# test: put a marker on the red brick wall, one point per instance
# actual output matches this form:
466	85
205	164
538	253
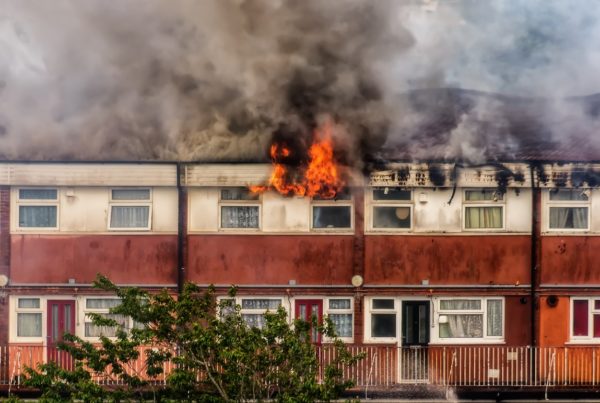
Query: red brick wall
4	257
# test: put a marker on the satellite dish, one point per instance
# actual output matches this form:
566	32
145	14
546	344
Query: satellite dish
3	280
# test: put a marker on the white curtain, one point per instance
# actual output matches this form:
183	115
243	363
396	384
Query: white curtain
254	319
101	303
37	216
343	324
129	216
261	303
92	330
462	326
483	217
568	217
239	217
494	317
29	324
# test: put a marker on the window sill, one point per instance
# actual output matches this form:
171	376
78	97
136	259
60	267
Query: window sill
450	342
582	342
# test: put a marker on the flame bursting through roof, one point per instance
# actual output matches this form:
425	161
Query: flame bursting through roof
319	178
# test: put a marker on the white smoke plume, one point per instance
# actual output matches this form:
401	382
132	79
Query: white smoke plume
214	79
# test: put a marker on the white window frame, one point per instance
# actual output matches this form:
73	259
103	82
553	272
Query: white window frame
485	339
240	203
130	203
589	339
327	311
569	203
483	203
38	203
84	314
332	203
41	310
390	203
369	310
238	301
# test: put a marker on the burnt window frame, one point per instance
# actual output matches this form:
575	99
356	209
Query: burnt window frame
569	204
349	202
239	203
500	202
410	203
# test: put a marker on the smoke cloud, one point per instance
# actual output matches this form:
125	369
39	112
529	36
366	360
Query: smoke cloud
217	80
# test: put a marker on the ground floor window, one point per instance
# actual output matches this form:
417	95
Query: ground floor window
468	319
29	317
585	319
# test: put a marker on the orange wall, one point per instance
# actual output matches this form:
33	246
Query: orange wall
447	259
270	259
570	260
125	259
554	322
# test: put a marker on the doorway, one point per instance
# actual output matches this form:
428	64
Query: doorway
306	309
61	320
414	359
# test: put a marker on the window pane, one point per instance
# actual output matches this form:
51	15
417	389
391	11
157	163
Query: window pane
596	325
460	304
391	194
383	325
239	217
38	194
383	304
569	217
29	302
597	304
391	217
339	303
483	195
238	194
29	324
254	320
261	303
129	216
331	217
483	217
92	330
568	194
37	216
462	326
101	303
343	324
580	318
494	317
131	194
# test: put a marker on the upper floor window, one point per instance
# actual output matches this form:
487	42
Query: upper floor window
130	209
392	209
568	209
483	209
239	208
38	208
469	319
585	319
332	213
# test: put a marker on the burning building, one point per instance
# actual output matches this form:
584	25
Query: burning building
282	147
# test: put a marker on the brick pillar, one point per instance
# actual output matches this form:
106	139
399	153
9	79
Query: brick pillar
5	270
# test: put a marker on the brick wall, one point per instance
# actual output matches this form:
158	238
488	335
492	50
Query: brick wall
4	257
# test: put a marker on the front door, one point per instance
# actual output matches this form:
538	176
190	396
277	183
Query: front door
61	320
306	309
415	339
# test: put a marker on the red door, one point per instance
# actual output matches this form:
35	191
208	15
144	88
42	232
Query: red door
61	320
305	310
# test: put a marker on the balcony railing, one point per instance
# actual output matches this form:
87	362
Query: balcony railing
386	366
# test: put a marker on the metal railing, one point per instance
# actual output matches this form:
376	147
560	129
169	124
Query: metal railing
385	366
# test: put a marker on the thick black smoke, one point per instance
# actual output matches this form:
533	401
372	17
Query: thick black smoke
217	79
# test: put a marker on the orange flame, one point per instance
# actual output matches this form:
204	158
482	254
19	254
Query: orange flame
321	177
